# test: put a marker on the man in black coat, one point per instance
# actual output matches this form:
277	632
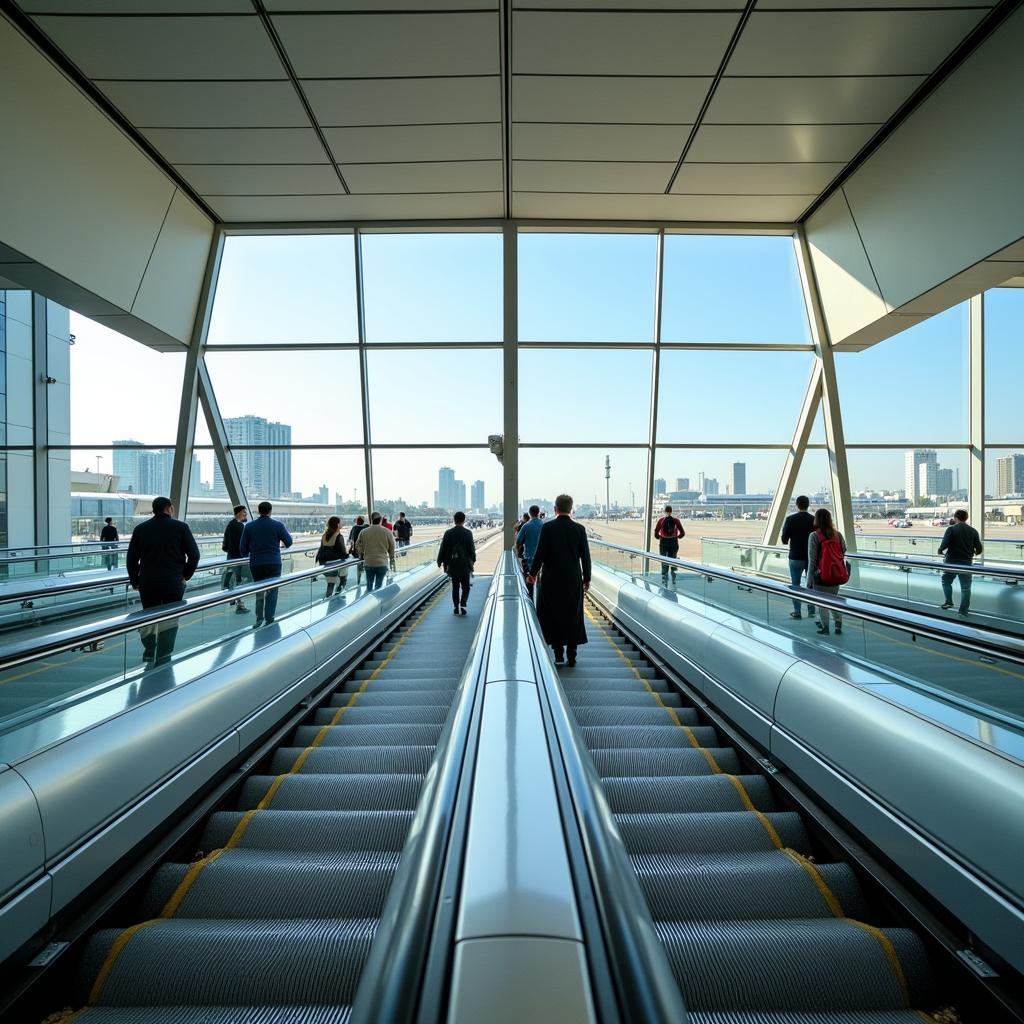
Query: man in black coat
162	557
563	560
457	555
236	574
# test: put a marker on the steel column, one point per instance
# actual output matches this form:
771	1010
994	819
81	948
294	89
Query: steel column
510	380
652	436
219	437
40	422
364	376
976	473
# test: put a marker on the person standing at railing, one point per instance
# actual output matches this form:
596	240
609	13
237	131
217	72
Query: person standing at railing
527	540
109	538
669	531
376	545
261	541
795	531
333	550
827	570
403	531
563	559
231	546
960	543
162	558
457	555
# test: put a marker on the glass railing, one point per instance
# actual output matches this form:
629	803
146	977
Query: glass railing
987	595
997	549
968	679
95	664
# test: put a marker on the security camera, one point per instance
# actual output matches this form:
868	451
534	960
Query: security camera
496	442
44	379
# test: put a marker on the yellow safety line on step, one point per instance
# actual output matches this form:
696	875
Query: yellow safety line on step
889	950
115	951
171	906
831	901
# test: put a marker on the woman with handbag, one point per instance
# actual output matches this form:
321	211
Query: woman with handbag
332	550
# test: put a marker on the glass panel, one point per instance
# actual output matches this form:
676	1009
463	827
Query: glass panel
285	289
1004	504
912	386
725	397
285	398
570	395
732	289
435	396
438	287
586	287
1004	363
120	389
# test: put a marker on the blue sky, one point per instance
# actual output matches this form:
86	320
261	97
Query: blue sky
911	389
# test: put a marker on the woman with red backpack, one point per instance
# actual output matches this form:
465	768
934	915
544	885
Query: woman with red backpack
827	570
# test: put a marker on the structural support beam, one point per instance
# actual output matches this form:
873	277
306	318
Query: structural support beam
40	422
976	473
364	378
652	435
510	380
219	437
795	458
834	438
181	472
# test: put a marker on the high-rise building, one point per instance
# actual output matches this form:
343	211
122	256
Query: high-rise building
477	496
460	496
145	471
739	478
682	483
659	486
944	482
710	485
445	495
700	482
1010	475
266	472
921	468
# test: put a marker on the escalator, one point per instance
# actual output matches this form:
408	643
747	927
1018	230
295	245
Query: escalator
758	926
273	919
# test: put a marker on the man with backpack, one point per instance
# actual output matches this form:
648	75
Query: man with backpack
960	543
669	531
827	570
457	556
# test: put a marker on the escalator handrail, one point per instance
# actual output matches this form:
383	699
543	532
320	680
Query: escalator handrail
390	986
986	641
646	988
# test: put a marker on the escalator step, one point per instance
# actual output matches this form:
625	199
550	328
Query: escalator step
824	964
414	668
358	715
611	670
258	884
650	715
784	1017
618	736
384	684
333	792
352	735
229	963
710	832
742	886
354	760
571	684
660	794
374	698
309	830
626	697
222	1015
671	761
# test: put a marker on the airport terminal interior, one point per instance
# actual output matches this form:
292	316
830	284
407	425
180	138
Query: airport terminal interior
705	318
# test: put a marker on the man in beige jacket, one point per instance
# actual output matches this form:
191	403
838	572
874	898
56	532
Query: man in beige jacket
376	547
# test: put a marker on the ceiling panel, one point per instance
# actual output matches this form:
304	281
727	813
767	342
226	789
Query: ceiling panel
625	43
416	142
166	48
136	6
809	100
645	5
261	179
237	145
860	5
590	177
254	209
598	141
379	5
405	101
453	176
742	209
858	42
390	45
208	104
754	179
827	143
597	100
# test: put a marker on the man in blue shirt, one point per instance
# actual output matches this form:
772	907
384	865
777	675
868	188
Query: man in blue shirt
261	541
527	540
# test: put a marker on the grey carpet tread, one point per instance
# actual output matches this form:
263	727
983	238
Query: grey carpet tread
627	696
710	832
671	761
666	734
309	830
311	792
820	964
219	1015
352	734
374	698
356	714
355	760
231	963
684	794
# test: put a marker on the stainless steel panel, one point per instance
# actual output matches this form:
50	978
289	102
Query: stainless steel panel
21	837
24	916
509	656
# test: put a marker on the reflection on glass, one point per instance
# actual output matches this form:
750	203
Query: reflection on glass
1004	364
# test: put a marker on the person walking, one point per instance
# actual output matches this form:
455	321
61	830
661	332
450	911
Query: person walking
162	558
520	523
376	545
457	556
231	546
353	536
108	539
261	541
562	560
795	531
669	532
403	531
960	543
827	570
526	542
333	550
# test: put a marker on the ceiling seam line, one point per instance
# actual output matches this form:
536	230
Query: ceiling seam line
705	106
505	69
860	238
149	259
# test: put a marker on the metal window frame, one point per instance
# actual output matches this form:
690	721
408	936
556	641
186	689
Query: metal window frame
976	413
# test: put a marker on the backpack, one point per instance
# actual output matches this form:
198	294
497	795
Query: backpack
832	570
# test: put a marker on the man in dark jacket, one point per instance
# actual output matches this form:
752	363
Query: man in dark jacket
162	557
403	531
960	543
261	541
669	532
231	546
353	535
795	531
563	560
457	555
109	539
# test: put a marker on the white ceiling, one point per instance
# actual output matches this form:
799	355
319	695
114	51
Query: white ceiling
395	109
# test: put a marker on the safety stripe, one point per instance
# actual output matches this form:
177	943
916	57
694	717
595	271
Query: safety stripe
748	805
831	901
115	951
171	907
889	950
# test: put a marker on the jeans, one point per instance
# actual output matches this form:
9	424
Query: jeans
158	640
266	600
375	575
965	588
824	613
797	567
460	586
669	547
110	561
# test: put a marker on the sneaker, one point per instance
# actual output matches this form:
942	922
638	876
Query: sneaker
455	611
946	604
559	657
571	663
839	630
257	624
823	630
963	612
240	609
463	609
795	615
